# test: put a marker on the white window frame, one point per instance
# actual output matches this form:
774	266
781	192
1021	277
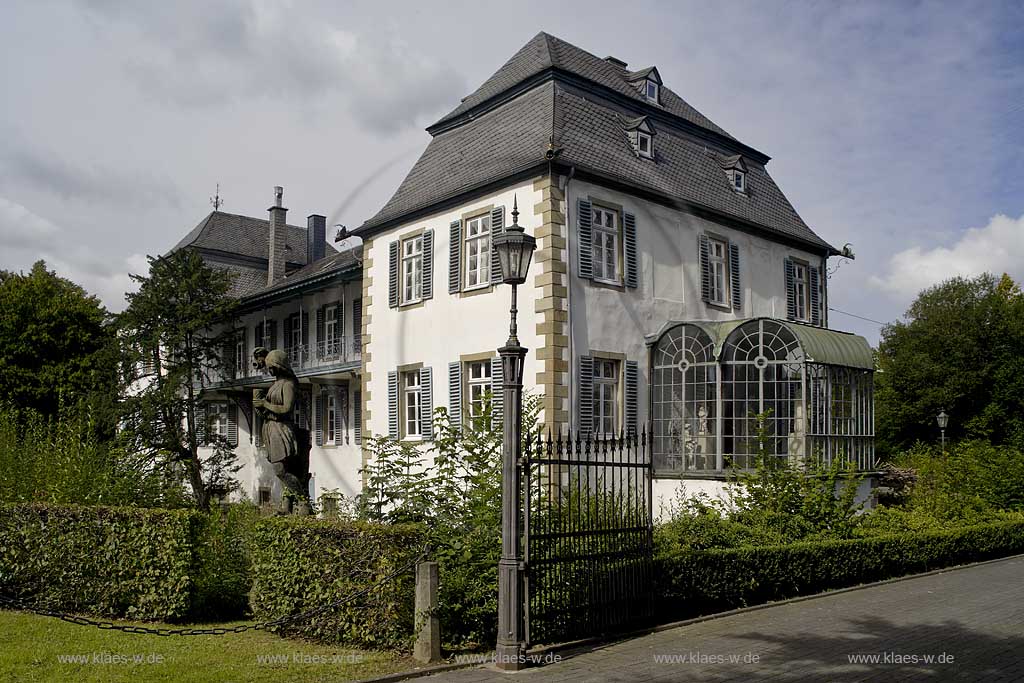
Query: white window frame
241	362
331	335
801	290
718	262
648	84
739	180
330	419
412	405
477	244
217	419
606	241
296	330
641	138
476	386
606	396
412	270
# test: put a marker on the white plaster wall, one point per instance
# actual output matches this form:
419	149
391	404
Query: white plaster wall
447	325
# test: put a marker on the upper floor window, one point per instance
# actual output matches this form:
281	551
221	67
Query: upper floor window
651	91
412	269
717	250
801	290
217	420
644	144
606	244
331	420
331	330
478	251
606	395
739	180
411	407
241	358
295	331
478	381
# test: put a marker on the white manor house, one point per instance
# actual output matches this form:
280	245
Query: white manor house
673	286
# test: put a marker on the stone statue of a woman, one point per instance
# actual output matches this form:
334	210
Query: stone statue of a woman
279	434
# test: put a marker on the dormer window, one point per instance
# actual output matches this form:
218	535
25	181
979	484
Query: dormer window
739	181
644	144
651	91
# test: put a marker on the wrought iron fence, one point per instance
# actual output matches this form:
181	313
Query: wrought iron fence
588	544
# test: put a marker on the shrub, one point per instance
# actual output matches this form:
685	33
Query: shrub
705	581
119	562
222	563
303	563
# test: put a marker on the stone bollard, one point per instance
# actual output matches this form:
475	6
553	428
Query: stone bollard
428	629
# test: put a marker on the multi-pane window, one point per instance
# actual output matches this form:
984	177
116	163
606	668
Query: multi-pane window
800	290
217	416
478	251
412	269
295	324
643	141
478	380
411	407
719	271
240	359
739	181
651	90
331	335
330	421
606	395
606	244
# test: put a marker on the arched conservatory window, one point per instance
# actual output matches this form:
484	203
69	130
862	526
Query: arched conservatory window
762	373
684	385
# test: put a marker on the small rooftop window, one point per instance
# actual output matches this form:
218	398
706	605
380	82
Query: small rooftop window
651	91
644	144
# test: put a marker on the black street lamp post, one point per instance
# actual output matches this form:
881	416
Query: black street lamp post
515	249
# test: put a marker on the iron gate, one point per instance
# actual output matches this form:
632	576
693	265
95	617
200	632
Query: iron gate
587	536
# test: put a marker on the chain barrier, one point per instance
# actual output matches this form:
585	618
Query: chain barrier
260	626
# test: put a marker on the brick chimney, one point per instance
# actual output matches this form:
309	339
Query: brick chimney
278	238
316	237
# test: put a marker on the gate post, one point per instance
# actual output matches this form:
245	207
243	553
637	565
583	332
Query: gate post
428	630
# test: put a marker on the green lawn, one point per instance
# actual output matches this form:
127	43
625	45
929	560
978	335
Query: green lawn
32	648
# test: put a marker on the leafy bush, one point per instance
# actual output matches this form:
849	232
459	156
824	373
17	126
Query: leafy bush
706	581
303	563
222	563
119	562
61	460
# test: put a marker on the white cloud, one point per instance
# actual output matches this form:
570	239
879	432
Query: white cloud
997	248
22	229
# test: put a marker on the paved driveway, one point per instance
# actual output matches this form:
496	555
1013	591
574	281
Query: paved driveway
960	625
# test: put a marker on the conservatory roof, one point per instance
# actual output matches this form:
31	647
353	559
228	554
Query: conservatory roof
820	345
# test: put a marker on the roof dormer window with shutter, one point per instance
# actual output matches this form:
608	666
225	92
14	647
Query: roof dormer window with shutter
736	172
648	82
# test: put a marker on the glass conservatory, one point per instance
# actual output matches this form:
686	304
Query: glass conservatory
719	390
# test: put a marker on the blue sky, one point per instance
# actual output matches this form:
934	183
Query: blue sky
895	126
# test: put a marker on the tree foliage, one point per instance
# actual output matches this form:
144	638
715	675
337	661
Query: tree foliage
961	349
174	334
56	341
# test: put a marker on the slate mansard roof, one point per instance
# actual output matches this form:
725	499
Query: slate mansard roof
553	91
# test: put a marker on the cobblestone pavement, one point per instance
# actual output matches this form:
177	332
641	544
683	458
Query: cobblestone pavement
970	622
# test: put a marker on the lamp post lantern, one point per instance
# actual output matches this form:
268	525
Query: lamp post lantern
515	250
942	419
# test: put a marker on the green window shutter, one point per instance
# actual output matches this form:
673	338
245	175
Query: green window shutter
734	277
340	315
257	334
304	327
815	284
287	332
428	264
629	248
632	376
357	416
585	238
232	423
340	413
202	418
704	249
393	274
455	393
426	403
393	404
321	348
273	336
790	291
318	420
497	227
357	325
455	257
497	393
585	377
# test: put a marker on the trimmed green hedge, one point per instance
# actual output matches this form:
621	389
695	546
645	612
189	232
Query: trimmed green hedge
302	563
131	562
707	581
